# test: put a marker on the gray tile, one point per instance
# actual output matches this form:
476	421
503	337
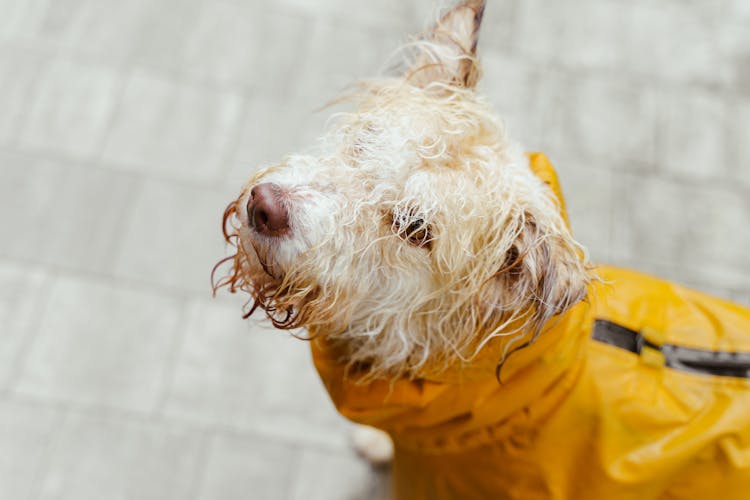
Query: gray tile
103	28
241	375
691	229
363	13
172	237
234	43
59	213
545	28
694	137
70	108
26	433
240	468
282	51
598	120
101	345
123	459
417	15
512	86
172	129
341	476
223	43
740	8
21	20
676	42
219	368
22	296
329	433
163	34
594	35
558	32
274	126
499	26
587	188
734	40
741	144
336	58
18	73
548	106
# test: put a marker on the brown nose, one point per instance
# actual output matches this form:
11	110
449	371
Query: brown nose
266	210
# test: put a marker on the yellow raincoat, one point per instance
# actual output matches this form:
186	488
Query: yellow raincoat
642	392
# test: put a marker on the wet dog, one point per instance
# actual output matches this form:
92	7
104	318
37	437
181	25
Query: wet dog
429	259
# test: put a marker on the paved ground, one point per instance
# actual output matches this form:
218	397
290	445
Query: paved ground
125	128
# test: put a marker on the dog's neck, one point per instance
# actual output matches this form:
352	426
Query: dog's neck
558	346
502	356
531	380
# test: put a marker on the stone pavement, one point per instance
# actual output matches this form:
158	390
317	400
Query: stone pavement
126	127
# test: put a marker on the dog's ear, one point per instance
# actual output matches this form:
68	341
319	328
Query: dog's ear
544	273
447	53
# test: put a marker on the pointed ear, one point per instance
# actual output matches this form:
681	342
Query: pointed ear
447	52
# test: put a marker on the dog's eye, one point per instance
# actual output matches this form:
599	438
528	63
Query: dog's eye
417	233
413	230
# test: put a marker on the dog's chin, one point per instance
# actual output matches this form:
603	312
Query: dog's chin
264	266
285	300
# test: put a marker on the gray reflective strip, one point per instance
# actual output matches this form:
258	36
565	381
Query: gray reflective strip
616	335
720	363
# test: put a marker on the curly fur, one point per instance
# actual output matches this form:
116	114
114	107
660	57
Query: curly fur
418	232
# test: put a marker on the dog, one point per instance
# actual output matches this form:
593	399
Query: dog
430	261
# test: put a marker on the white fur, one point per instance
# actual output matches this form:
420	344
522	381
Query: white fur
372	444
420	156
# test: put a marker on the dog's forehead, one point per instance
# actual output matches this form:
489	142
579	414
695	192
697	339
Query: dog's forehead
401	132
419	162
419	111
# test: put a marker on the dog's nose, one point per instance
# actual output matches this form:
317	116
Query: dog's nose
266	210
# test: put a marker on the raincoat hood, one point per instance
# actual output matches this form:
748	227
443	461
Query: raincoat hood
639	392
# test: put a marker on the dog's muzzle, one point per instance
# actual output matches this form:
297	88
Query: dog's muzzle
266	211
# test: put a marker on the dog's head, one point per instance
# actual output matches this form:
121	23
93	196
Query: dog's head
417	232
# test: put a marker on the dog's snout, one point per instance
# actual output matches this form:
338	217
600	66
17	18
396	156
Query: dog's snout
266	211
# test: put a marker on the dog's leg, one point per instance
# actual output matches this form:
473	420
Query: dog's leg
373	445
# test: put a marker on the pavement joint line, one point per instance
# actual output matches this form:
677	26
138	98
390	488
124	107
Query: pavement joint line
31	334
161	420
